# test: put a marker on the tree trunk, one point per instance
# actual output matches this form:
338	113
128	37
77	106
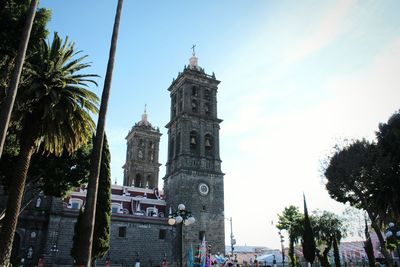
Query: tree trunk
375	226
324	260
320	259
14	200
336	253
368	247
291	253
91	197
382	243
369	250
8	104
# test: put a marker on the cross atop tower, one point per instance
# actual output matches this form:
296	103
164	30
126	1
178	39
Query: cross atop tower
194	52
193	60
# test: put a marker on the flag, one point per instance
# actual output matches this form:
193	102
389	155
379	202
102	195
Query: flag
190	256
203	251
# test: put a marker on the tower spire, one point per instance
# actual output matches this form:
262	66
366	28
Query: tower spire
144	116
193	60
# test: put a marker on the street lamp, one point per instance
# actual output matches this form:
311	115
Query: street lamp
181	217
283	248
233	240
393	237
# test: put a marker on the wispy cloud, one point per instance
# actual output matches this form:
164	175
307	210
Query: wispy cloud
278	155
330	28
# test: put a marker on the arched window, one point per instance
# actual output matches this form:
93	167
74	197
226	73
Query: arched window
207	108
194	142
150	181
171	148
194	105
178	144
208	144
138	180
195	91
180	106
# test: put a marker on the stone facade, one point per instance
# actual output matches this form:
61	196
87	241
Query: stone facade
193	176
146	238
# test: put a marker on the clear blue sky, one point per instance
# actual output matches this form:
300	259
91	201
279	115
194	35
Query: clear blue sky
297	77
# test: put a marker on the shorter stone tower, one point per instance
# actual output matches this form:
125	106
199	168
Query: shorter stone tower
141	167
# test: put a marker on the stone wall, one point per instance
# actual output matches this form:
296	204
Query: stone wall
141	237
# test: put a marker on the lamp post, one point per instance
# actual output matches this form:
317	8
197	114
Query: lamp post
283	248
233	240
181	217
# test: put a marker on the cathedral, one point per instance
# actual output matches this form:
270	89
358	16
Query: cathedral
140	210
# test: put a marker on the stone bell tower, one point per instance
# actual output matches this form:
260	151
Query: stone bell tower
193	175
141	166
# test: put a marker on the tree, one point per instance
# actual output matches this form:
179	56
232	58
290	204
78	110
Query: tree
91	197
356	223
387	195
77	244
352	175
308	243
53	111
11	93
291	220
54	175
101	235
12	19
329	230
12	59
50	174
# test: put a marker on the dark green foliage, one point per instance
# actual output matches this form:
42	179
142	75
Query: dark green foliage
76	240
350	172
101	234
366	175
309	247
388	186
53	175
12	20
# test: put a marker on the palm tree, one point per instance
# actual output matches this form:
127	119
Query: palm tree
53	111
291	220
91	197
329	230
12	90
